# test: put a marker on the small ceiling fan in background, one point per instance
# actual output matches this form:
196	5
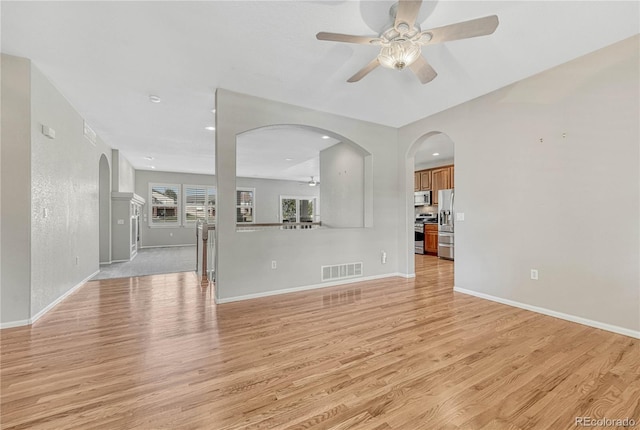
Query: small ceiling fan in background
311	183
401	43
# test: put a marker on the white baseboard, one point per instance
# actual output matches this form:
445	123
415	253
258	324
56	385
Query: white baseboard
406	275
573	318
105	263
167	246
14	324
306	287
50	306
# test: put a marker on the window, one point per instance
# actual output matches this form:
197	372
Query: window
199	204
245	211
297	209
164	205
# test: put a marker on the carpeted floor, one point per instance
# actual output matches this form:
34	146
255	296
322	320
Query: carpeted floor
152	261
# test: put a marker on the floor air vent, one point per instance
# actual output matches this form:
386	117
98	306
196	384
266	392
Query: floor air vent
341	271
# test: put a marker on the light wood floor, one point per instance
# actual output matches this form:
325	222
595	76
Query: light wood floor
156	353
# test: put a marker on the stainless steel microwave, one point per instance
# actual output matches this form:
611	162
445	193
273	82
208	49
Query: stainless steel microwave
422	198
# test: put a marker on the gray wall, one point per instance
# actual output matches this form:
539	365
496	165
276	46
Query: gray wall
126	175
245	266
342	192
65	181
528	204
267	202
166	236
44	257
268	192
15	277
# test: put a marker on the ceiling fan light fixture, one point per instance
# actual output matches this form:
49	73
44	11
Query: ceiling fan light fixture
399	54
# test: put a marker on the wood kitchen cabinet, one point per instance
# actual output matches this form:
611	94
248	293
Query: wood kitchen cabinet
440	180
431	239
425	180
416	181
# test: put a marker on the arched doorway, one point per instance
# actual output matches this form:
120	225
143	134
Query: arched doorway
104	212
431	158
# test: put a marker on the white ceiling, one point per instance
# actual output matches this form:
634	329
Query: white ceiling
440	144
107	57
283	152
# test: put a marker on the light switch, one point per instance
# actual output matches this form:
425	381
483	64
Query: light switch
121	222
459	216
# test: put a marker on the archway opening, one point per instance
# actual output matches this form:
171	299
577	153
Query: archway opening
433	161
286	173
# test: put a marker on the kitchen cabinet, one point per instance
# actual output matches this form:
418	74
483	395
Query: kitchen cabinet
431	239
440	180
425	180
416	181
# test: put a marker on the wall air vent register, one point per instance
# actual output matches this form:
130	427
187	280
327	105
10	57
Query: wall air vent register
341	271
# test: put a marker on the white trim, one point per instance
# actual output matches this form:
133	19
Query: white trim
11	324
407	275
39	315
166	246
178	206
106	263
253	205
573	318
304	288
121	261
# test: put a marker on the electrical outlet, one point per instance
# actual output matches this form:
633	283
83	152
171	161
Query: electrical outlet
171	234
77	261
383	257
274	264
534	274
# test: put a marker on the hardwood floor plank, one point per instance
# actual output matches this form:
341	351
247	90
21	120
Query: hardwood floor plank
155	352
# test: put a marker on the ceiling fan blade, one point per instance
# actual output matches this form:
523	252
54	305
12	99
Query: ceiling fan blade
347	38
423	70
464	30
364	71
407	12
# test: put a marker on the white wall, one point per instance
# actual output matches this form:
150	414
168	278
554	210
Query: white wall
244	268
15	275
528	204
126	175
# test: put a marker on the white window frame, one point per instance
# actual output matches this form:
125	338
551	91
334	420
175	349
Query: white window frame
206	188
253	205
297	199
177	223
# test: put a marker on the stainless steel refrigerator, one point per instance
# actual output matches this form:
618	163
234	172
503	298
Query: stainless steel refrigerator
446	230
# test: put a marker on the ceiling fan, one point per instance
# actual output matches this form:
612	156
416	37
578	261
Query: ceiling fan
401	43
311	183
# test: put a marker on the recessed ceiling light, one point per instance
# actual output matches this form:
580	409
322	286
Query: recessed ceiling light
148	158
288	159
154	99
152	167
435	154
326	137
210	128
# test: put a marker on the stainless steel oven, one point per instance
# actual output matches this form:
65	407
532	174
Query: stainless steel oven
419	234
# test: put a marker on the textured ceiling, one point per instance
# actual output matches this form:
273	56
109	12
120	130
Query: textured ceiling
107	57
